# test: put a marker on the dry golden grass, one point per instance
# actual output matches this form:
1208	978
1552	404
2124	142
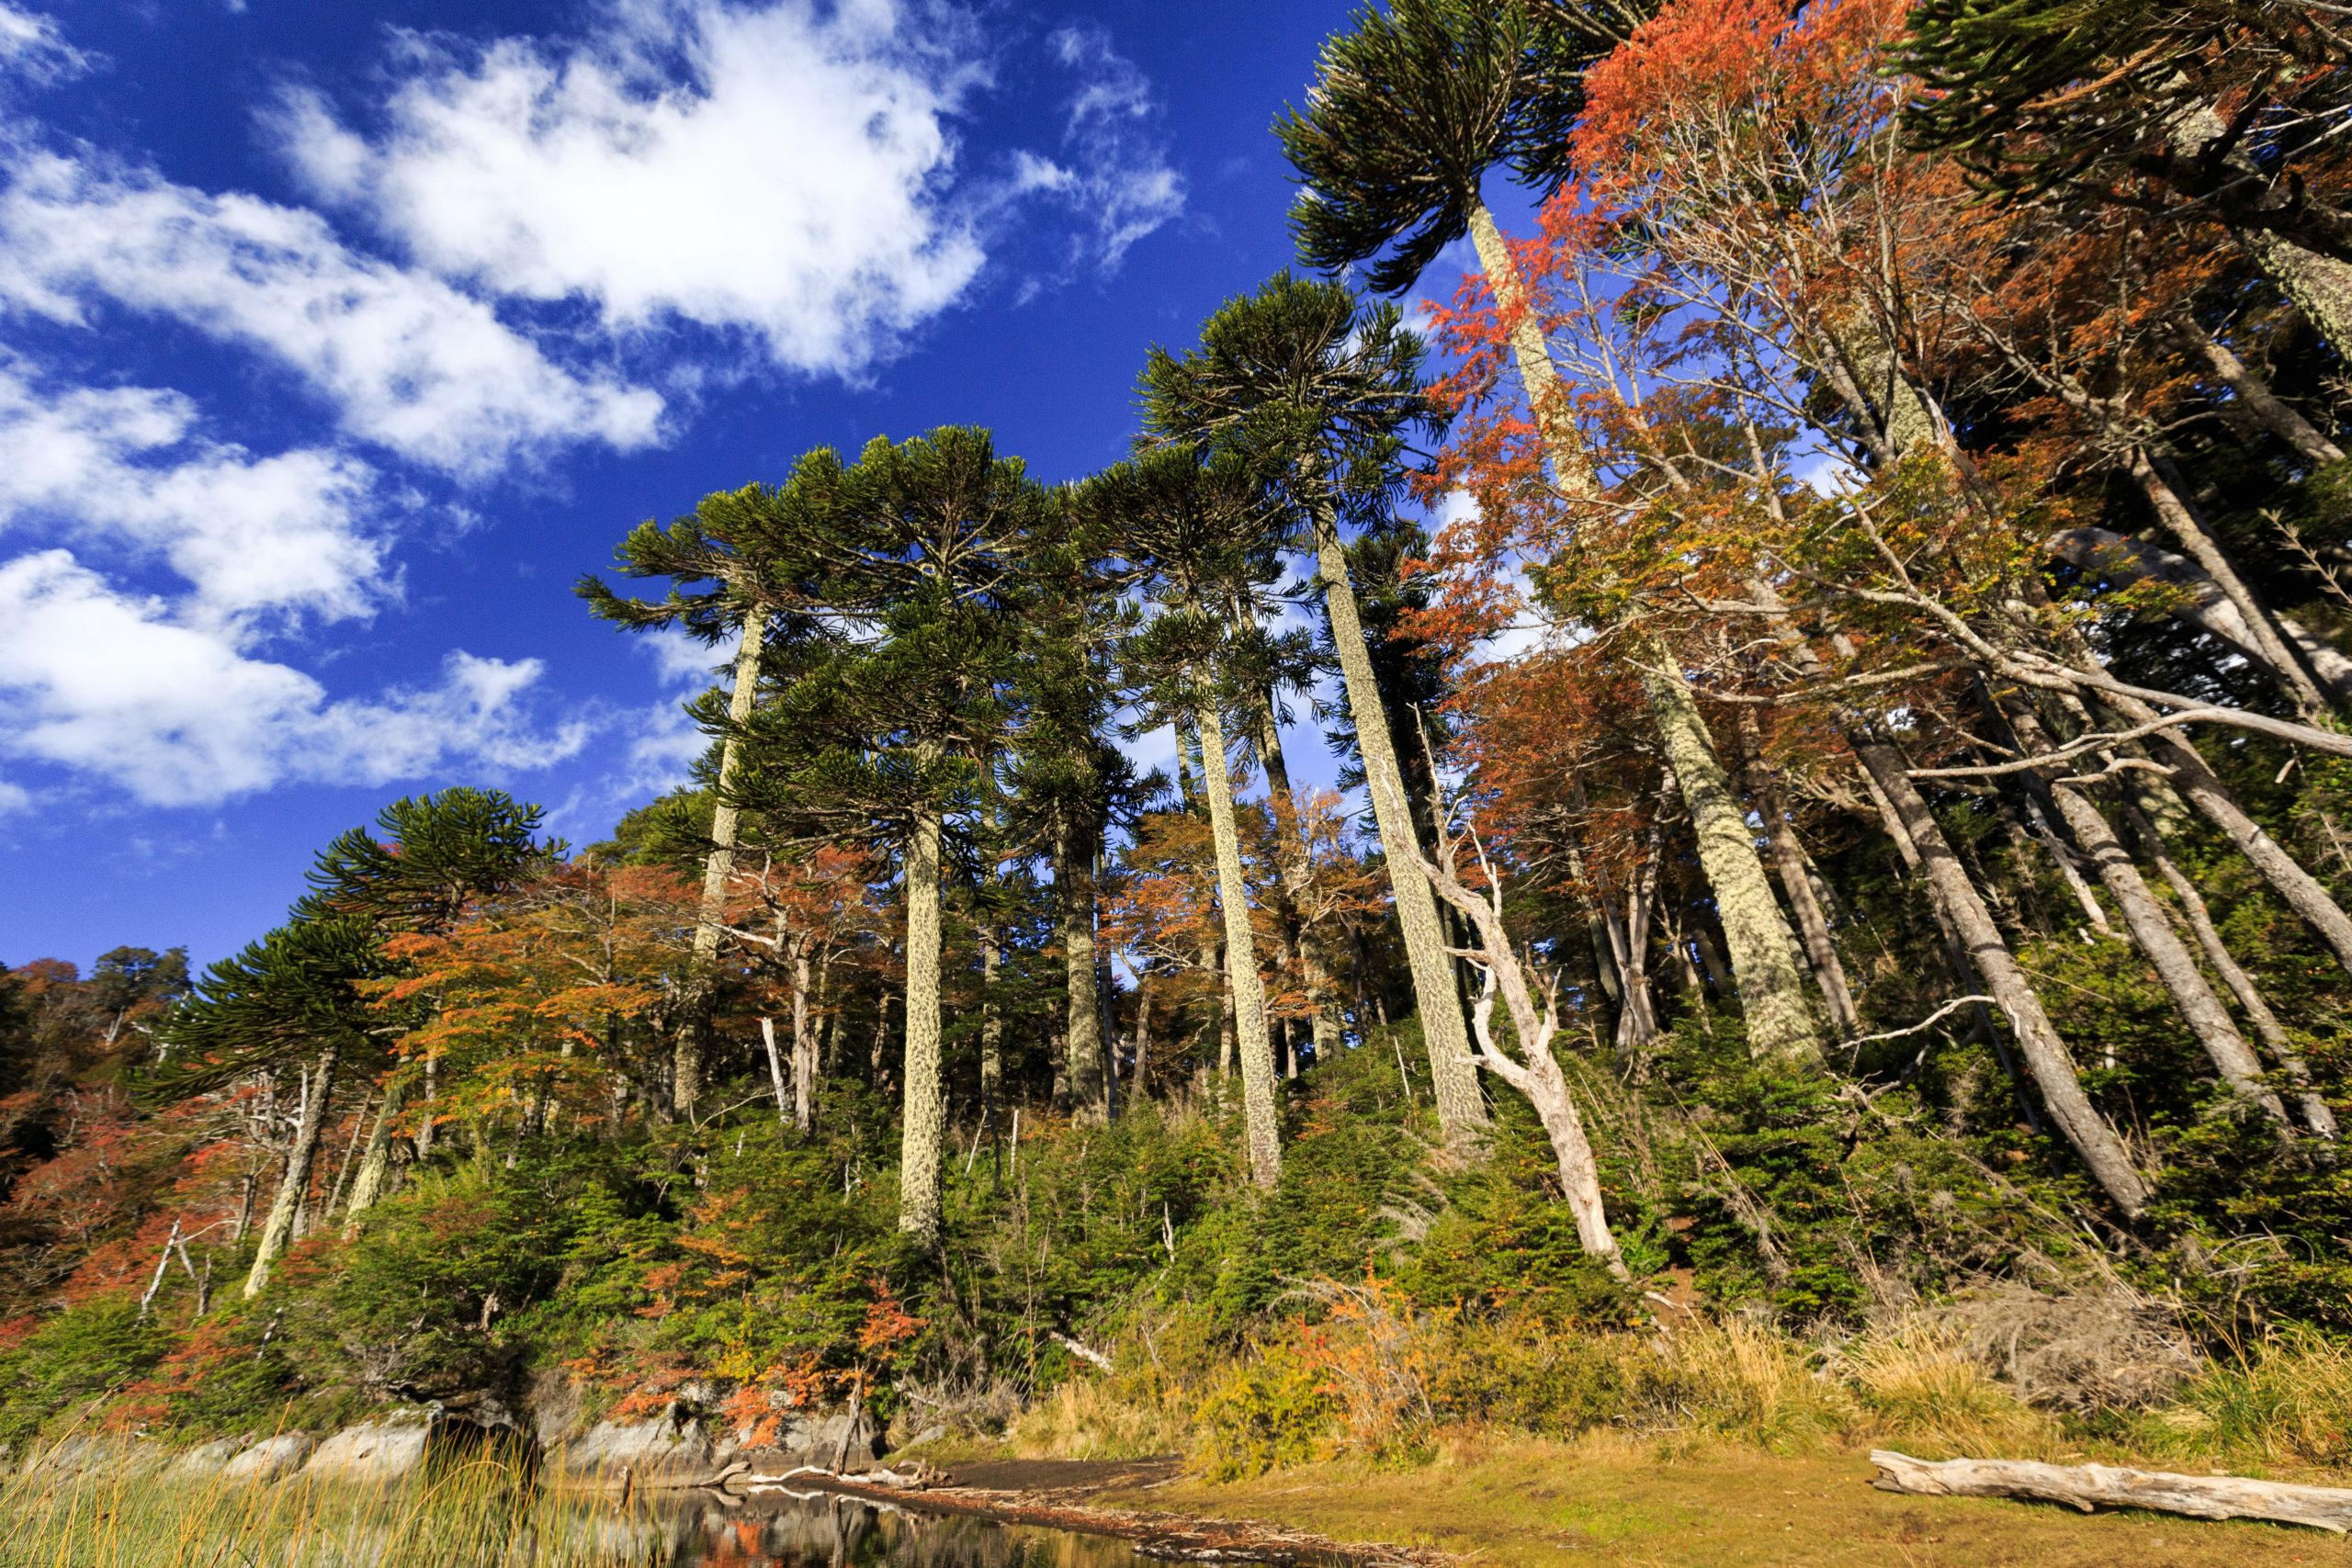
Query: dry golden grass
486	1511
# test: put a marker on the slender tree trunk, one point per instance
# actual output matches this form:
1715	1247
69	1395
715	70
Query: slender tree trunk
1139	1075
375	1161
2253	393
1082	1041
804	1049
279	1229
1261	1126
1763	949
1460	1108
926	1105
2176	966
693	1029
775	1072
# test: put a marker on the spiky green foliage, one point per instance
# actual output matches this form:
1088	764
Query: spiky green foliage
427	858
2094	99
289	996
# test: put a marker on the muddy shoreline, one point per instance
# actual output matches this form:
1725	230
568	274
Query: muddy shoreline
1057	1494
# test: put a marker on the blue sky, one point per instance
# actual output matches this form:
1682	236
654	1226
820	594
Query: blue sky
338	339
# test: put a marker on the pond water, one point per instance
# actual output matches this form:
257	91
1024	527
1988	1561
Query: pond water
780	1531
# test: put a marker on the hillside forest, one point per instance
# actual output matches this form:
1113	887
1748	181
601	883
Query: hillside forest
1837	635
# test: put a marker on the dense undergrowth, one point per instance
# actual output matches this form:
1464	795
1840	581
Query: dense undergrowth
1810	1270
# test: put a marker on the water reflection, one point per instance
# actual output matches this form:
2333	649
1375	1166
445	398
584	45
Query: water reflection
778	1530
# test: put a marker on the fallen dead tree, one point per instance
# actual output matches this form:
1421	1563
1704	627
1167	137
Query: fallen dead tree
2092	1486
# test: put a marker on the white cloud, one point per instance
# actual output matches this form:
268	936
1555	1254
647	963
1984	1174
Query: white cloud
253	535
1115	164
31	47
782	168
104	683
407	361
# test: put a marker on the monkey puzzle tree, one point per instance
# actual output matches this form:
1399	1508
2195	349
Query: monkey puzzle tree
1320	396
1409	111
1197	529
713	561
909	561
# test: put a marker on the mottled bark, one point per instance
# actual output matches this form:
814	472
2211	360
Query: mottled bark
804	1048
2253	393
925	1116
1764	962
1461	1108
279	1229
1261	1126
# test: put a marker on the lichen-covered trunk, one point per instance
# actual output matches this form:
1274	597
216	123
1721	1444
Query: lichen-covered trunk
375	1160
1460	1108
924	1119
1082	1039
1763	949
1260	1126
1764	964
279	1229
1788	861
2047	1060
688	1045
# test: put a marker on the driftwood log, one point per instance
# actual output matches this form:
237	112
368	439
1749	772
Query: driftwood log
2089	1487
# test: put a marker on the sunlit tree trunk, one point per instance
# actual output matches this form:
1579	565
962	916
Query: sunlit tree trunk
925	1113
1460	1108
279	1229
693	1029
1763	949
1290	854
1262	1127
991	1025
375	1160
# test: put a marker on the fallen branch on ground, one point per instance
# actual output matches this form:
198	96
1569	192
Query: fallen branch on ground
2091	1486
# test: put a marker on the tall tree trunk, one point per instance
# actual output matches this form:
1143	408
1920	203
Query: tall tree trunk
279	1229
375	1160
1764	962
1788	860
775	1072
1082	1041
1460	1108
925	1122
1763	949
693	1029
1139	1075
992	1026
1261	1126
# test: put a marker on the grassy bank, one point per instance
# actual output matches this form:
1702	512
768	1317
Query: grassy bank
1507	1501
